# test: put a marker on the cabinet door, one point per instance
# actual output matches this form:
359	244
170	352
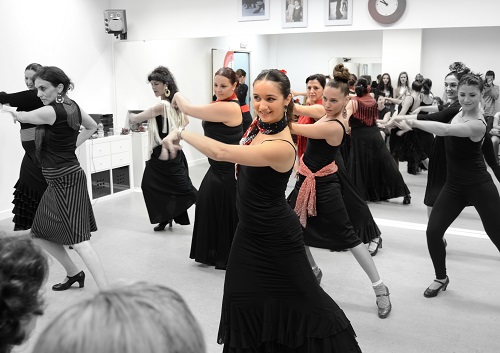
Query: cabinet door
120	146
99	149
120	159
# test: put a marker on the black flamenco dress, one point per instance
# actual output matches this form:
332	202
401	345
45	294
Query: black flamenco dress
166	186
409	147
343	217
31	184
272	301
215	214
371	167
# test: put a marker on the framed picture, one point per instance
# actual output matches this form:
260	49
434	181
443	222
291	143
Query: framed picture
253	10
293	13
338	12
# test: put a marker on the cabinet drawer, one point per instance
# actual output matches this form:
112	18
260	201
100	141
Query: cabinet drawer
98	164
100	149
120	146
120	159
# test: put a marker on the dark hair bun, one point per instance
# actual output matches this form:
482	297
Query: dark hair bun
341	73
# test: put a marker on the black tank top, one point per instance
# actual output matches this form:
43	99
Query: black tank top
465	161
319	153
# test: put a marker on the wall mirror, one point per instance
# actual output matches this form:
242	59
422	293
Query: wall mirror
358	65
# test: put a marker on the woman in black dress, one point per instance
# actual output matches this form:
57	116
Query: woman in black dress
64	215
215	217
166	186
31	184
467	179
371	167
242	92
272	301
318	196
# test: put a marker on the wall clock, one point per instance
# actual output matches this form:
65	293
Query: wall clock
386	11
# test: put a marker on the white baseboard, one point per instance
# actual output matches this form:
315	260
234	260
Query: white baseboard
198	161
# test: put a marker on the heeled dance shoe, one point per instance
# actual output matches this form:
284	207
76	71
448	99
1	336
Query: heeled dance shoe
407	200
162	226
430	293
79	277
379	246
384	303
318	273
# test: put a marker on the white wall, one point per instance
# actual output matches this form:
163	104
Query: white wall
180	34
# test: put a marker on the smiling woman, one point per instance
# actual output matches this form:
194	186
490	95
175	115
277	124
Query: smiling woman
270	289
468	181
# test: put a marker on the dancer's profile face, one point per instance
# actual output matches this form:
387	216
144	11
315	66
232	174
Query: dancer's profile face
314	91
268	101
469	97
334	101
451	87
46	91
223	88
158	88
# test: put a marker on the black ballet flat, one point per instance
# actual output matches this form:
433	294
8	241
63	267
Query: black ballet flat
430	293
407	200
379	246
162	226
79	277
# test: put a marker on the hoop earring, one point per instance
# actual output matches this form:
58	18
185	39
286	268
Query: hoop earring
59	98
167	92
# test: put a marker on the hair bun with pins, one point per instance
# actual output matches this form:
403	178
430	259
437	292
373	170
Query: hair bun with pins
341	73
459	68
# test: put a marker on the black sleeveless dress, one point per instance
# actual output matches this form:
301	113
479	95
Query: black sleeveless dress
31	184
215	214
272	301
166	186
343	218
371	168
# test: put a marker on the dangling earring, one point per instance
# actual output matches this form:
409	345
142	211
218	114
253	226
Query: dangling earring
167	92
59	98
344	114
286	109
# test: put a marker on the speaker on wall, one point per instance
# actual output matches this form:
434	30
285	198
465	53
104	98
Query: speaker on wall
115	22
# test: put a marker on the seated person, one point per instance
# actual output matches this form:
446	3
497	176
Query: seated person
23	272
139	317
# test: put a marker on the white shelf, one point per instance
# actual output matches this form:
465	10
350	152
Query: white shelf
107	162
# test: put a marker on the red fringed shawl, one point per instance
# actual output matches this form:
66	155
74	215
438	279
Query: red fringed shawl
365	109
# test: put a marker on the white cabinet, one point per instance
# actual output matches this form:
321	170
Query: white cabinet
107	162
140	155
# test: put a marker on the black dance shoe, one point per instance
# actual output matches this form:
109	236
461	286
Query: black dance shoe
162	226
430	293
79	277
379	246
407	200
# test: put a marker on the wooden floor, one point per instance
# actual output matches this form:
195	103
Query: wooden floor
464	319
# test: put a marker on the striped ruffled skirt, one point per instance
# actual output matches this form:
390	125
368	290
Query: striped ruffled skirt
64	215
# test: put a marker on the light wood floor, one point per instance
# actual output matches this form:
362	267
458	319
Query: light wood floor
465	318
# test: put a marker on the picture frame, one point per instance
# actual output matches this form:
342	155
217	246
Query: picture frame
338	12
294	13
253	10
